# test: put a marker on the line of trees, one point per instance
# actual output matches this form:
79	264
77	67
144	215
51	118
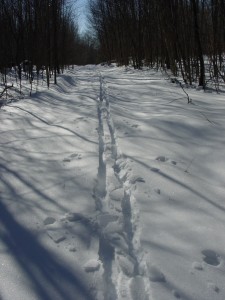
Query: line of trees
40	33
181	35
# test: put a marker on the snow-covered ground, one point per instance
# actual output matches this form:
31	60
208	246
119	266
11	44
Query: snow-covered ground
112	187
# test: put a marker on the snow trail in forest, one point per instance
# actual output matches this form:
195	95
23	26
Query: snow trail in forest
118	218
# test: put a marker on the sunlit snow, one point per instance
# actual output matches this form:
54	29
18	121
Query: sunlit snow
113	187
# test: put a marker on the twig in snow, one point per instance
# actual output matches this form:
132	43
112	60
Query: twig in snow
175	80
186	171
5	89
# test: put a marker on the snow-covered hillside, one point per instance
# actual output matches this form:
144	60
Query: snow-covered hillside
113	187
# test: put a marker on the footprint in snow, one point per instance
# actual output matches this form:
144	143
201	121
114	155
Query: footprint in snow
133	179
49	221
56	236
117	194
113	227
76	155
162	158
165	159
158	191
155	169
76	217
79	118
211	257
105	219
155	275
72	249
55	233
123	288
92	265
176	294
66	160
197	266
127	265
213	287
137	288
135	126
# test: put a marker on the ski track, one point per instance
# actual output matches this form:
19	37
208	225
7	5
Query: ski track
124	270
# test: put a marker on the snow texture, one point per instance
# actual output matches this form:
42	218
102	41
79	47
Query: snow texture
112	188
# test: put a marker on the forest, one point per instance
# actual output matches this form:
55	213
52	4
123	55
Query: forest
180	35
186	37
112	161
41	34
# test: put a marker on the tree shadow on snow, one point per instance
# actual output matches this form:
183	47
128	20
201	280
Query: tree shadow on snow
180	183
49	277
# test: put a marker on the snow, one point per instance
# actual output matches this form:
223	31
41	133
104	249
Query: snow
92	265
112	187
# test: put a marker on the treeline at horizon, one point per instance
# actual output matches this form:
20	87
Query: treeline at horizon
44	34
184	36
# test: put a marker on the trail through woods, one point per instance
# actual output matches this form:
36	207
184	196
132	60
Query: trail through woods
112	187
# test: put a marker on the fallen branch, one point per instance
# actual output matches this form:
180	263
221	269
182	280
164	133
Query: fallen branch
178	82
5	89
175	80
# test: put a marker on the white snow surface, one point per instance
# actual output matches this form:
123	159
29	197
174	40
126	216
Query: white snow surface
113	187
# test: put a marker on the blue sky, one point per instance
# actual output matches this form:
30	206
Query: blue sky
81	5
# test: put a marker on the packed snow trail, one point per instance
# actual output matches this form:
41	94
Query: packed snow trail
119	245
49	161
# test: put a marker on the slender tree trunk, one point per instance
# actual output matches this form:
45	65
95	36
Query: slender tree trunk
195	6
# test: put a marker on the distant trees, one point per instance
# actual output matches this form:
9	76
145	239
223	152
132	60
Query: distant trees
181	35
41	34
185	36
